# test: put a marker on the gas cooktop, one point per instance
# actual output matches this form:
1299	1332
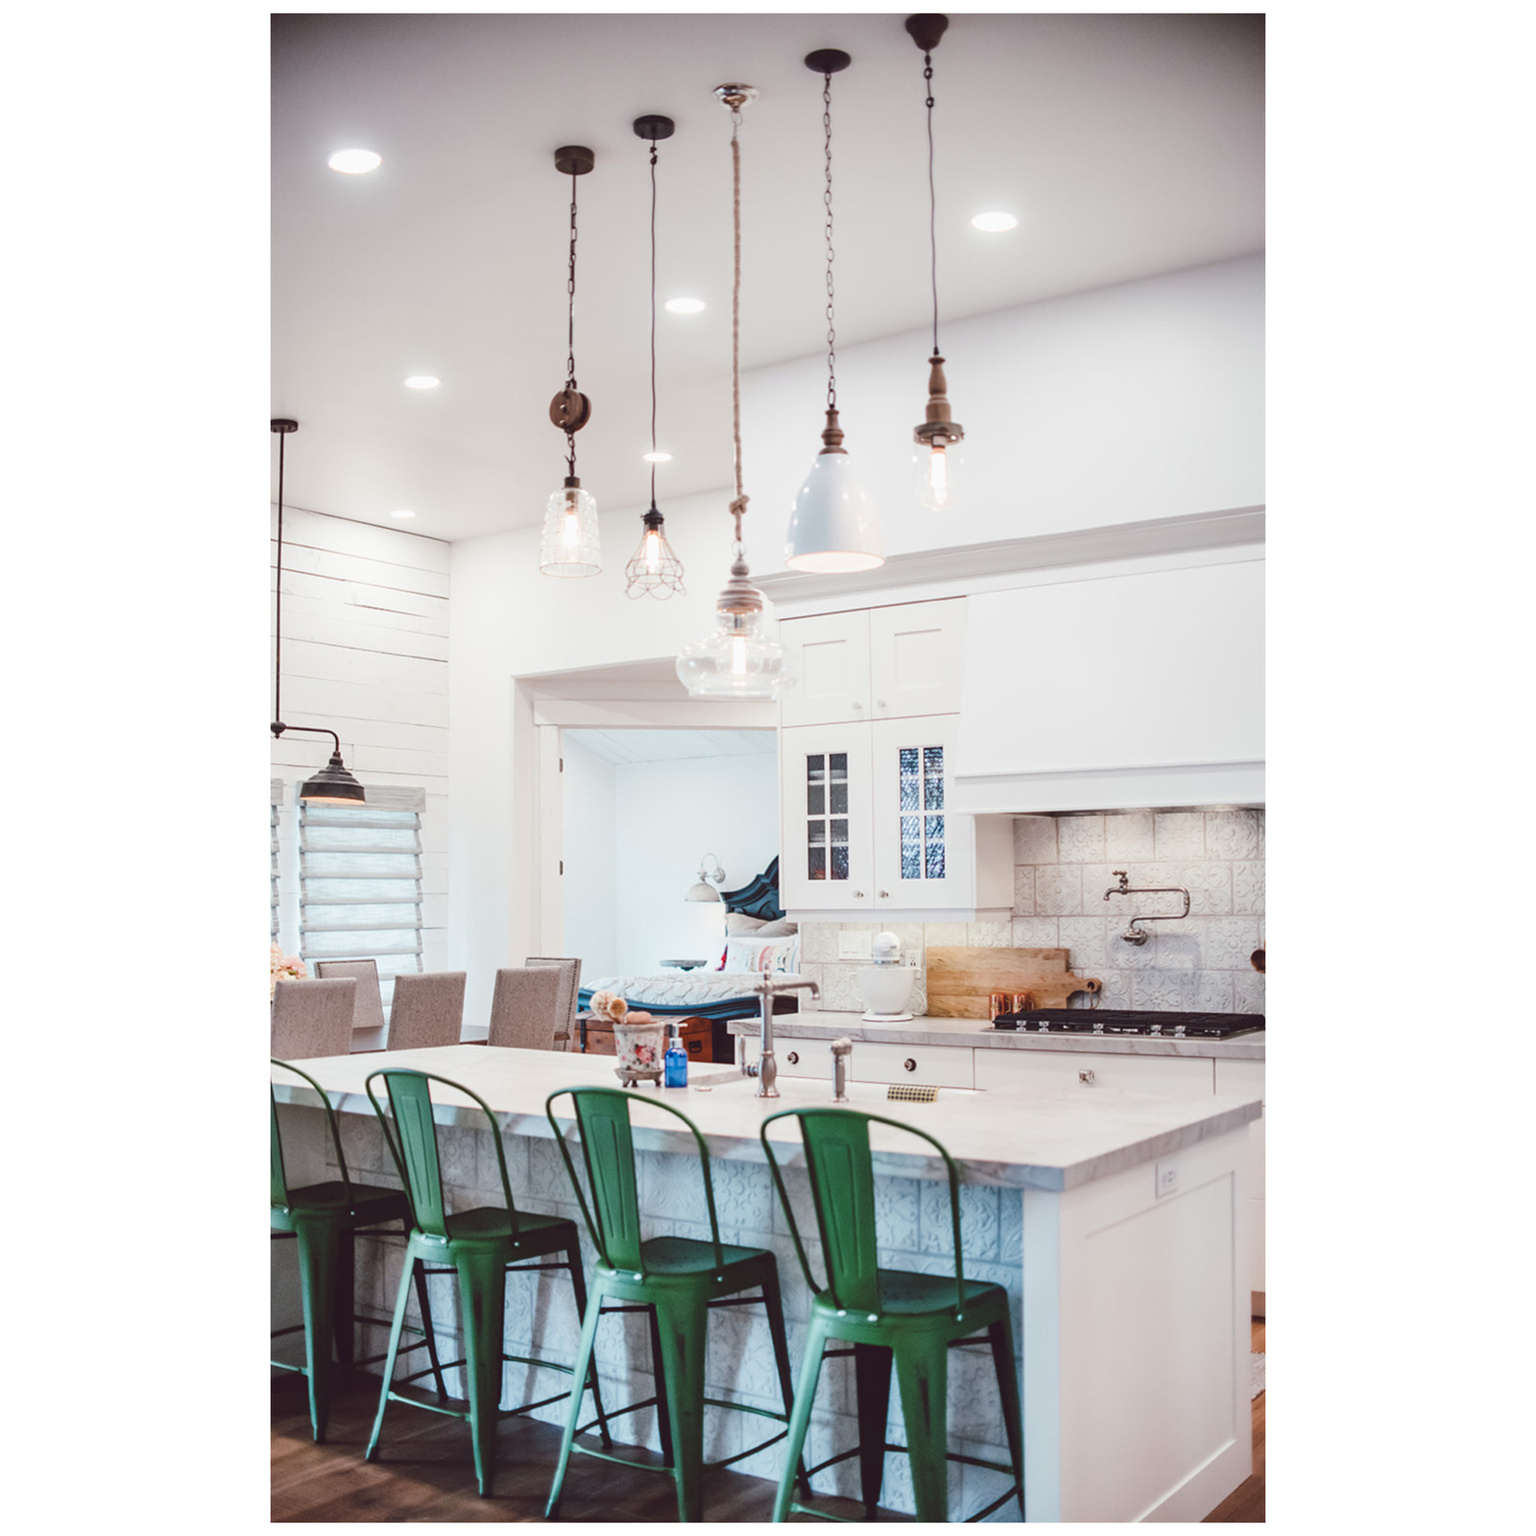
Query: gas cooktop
1128	1021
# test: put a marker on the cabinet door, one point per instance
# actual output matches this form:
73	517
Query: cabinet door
923	856
916	651
825	777
829	656
997	1067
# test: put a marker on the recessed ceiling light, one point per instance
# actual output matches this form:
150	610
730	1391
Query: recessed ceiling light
422	381
354	162
656	458
403	512
995	223
684	306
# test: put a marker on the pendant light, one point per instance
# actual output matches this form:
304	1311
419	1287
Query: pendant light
332	785
569	546
936	460
833	527
654	569
742	658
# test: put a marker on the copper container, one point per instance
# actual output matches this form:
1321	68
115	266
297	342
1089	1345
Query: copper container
1001	1002
1020	1002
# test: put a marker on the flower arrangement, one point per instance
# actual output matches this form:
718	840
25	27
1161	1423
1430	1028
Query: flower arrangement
610	1006
285	968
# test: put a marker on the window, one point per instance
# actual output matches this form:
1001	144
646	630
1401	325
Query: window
277	800
360	873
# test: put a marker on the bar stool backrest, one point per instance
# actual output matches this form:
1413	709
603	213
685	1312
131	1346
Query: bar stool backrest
428	1010
312	1018
279	1174
841	1168
410	1132
608	1151
368	1005
525	1008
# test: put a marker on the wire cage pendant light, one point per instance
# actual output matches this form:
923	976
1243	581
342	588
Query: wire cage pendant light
653	570
568	545
833	526
936	458
332	785
741	658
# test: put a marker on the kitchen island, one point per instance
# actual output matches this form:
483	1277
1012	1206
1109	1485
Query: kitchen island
1115	1222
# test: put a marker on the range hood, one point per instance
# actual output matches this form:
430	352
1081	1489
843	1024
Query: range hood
1115	692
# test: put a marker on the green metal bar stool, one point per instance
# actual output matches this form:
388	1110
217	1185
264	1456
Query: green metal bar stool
480	1246
324	1219
889	1316
676	1279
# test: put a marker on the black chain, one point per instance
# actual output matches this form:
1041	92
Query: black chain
826	123
653	322
570	334
933	238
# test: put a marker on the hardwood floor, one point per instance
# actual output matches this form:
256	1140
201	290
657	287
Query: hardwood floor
425	1473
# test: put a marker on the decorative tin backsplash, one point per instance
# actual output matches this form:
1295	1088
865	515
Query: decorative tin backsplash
1062	867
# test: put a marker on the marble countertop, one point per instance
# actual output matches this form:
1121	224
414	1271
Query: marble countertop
810	1025
1034	1138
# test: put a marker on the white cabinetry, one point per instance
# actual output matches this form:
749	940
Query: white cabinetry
874	663
1248	1076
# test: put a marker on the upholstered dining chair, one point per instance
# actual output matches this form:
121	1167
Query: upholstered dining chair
313	1018
565	1031
428	1009
525	1008
368	1011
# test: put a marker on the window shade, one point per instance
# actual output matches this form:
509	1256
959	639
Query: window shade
277	800
360	868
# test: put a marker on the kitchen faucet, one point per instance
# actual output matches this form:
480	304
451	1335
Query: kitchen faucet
766	1069
1133	934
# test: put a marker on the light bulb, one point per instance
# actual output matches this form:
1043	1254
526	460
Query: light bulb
652	552
740	660
738	657
937	468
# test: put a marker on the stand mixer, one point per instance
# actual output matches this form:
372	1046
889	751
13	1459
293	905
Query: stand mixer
886	986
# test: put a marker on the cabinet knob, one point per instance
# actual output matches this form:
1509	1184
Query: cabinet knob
857	705
1086	1075
858	895
793	1058
886	895
910	1065
879	703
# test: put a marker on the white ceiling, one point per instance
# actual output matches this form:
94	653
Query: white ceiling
670	746
1127	145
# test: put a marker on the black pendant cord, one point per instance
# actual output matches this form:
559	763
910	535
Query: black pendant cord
933	238
570	333
826	123
653	325
277	700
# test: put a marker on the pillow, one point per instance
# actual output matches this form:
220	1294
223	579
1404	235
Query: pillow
750	955
738	924
780	927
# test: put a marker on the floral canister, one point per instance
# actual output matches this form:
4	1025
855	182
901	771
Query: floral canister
639	1044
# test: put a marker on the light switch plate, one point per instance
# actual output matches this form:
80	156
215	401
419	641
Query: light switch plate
1167	1177
858	945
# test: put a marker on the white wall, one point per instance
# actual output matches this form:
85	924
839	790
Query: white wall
365	654
668	816
590	887
1128	403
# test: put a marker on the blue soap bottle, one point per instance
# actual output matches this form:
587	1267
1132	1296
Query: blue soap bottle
676	1062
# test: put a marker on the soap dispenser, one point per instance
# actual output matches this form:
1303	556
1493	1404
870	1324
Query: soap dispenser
676	1061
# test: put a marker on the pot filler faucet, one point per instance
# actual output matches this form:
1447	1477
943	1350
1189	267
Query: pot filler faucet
765	1069
1133	934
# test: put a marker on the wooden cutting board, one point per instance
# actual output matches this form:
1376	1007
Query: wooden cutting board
961	980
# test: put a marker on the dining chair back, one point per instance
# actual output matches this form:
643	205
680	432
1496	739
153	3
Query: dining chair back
313	1018
368	1012
428	1010
525	1008
570	969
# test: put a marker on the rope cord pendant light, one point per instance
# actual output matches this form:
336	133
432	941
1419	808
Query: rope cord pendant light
936	459
833	526
653	569
332	785
741	659
569	545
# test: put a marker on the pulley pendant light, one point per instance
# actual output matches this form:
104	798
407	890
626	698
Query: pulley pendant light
833	526
653	569
741	658
332	785
569	546
936	459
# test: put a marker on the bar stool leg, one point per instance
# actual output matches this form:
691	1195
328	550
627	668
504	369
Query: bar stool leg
419	1273
683	1322
573	1414
579	1384
482	1305
800	1417
775	1307
872	1377
402	1300
317	1243
922	1373
1001	1335
342	1306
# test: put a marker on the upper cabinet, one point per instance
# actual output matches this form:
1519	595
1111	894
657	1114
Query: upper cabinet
874	663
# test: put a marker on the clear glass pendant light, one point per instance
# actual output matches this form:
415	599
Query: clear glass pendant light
741	658
833	526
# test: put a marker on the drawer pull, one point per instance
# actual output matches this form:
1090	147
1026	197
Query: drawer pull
1085	1075
910	1065
794	1058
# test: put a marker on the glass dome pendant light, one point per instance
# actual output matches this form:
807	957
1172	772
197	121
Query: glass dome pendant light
653	569
569	544
741	658
936	459
833	527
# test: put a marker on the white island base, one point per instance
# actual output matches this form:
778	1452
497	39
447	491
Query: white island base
1130	1306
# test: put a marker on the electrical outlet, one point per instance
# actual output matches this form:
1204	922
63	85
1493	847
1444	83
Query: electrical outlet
858	945
1167	1177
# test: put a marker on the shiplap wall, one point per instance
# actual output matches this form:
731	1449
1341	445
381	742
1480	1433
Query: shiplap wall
365	654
